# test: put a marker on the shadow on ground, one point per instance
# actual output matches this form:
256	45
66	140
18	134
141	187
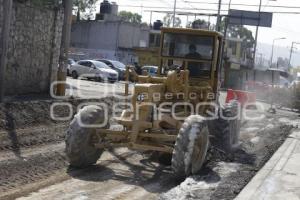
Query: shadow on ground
141	172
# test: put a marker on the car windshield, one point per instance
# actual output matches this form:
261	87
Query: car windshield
101	65
188	46
118	64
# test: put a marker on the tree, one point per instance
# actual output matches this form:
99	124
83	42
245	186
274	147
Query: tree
295	70
168	20
82	6
198	24
130	17
282	63
238	31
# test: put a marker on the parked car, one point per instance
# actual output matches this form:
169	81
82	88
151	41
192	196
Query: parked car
149	70
70	63
117	66
92	69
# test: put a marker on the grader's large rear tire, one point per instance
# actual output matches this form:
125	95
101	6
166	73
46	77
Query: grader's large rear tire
191	147
225	131
79	148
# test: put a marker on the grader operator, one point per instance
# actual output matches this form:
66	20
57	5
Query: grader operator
176	112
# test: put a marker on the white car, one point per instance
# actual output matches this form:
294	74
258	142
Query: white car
70	63
92	69
115	65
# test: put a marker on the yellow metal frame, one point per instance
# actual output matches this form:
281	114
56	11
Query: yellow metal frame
144	134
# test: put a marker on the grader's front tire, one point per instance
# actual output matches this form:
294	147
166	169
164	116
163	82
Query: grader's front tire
79	148
225	132
191	147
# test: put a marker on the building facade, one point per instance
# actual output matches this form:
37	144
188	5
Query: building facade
110	39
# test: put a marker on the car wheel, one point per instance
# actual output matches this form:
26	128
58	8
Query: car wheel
98	79
74	75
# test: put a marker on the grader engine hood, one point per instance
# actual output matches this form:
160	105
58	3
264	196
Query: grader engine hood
145	96
152	93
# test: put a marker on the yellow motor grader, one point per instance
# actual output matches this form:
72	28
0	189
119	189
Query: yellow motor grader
175	113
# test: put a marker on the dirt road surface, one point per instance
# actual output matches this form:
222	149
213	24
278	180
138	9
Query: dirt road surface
124	174
33	164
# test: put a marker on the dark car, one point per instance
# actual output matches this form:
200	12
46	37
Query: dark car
115	65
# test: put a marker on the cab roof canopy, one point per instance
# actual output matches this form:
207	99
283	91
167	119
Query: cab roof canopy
191	31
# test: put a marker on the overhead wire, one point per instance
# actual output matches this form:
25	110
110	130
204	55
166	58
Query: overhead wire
202	9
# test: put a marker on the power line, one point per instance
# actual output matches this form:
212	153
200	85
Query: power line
162	7
184	13
246	5
234	4
200	9
188	4
166	2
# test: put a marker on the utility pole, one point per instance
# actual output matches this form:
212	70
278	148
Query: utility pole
291	53
174	13
272	51
187	20
7	7
219	16
224	39
142	7
151	18
64	49
256	34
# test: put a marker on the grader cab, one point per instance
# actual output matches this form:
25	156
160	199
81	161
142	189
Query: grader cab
175	113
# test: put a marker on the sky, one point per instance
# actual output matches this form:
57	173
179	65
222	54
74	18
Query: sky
284	25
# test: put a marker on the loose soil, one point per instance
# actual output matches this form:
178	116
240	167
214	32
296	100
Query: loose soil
32	157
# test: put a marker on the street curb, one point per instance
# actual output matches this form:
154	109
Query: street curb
266	183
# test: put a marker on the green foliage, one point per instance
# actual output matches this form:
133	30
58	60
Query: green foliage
238	31
83	5
199	23
87	7
44	3
130	17
168	21
295	70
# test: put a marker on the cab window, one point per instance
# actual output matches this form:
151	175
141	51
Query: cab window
194	52
188	46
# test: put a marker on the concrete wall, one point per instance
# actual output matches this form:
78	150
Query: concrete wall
82	53
94	35
107	35
1	20
127	56
108	39
34	44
